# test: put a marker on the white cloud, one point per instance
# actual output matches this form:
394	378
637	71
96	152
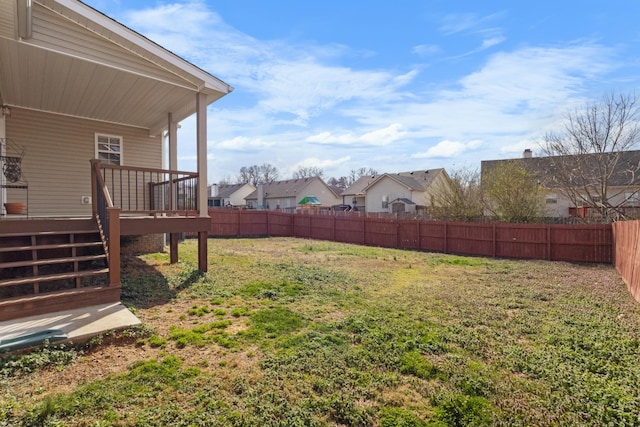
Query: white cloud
446	149
469	23
376	138
242	143
322	164
487	43
426	49
512	94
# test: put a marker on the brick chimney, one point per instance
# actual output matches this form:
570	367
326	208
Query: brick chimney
527	154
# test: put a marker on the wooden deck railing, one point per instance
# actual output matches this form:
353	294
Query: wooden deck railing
149	191
119	191
108	218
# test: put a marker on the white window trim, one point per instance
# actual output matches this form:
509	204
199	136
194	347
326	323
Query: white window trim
551	198
96	135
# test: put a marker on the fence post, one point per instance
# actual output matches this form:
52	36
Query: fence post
333	228
495	240
548	242
446	238
364	229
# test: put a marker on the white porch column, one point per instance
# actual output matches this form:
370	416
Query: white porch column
201	136
172	133
173	143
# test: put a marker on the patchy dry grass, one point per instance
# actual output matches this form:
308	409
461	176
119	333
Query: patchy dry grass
285	332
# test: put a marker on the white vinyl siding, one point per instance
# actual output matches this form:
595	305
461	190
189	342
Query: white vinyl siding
58	154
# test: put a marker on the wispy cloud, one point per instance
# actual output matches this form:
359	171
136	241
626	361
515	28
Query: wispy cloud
426	50
447	149
242	143
469	23
322	164
377	138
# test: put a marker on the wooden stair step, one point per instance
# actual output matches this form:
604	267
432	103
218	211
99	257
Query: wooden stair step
50	246
50	302
47	261
49	233
48	295
50	277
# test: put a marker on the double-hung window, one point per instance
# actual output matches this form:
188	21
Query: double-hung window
109	149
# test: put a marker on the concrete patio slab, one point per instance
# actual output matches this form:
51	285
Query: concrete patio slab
77	325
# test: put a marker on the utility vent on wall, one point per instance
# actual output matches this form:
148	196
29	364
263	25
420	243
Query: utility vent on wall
86	200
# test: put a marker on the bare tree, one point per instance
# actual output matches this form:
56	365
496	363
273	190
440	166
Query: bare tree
459	198
226	180
591	162
355	174
268	173
308	172
254	175
340	184
512	193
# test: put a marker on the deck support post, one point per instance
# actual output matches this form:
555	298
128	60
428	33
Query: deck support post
173	248
202	250
114	246
202	197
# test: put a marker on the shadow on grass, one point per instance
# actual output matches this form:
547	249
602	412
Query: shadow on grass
143	286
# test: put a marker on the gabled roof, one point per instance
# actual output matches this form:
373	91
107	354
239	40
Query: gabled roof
415	181
286	188
357	188
82	63
549	169
226	190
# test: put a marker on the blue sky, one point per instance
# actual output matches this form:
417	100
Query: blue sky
395	86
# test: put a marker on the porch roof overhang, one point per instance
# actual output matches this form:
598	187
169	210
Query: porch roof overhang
67	58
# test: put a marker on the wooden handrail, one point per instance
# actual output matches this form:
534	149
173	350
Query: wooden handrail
99	180
144	169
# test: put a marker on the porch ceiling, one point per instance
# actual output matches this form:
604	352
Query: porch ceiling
79	62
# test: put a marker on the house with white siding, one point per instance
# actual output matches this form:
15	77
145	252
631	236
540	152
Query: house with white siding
395	192
229	195
88	110
287	194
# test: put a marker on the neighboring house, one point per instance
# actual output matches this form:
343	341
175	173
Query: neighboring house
287	194
623	183
395	193
354	195
92	104
229	195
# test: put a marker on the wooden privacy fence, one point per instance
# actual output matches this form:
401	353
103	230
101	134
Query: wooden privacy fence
554	242
627	254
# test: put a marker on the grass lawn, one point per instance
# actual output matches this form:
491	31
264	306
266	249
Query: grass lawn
286	332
